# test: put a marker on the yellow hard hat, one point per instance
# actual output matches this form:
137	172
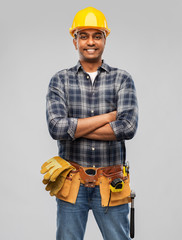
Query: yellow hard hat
89	18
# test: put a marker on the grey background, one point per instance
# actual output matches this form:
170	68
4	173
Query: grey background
145	40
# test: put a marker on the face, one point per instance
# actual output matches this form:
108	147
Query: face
90	44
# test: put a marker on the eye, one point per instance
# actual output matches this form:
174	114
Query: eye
97	37
83	37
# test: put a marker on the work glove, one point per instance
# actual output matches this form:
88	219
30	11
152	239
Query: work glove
55	187
53	168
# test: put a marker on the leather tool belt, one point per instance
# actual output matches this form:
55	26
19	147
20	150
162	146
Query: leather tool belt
89	176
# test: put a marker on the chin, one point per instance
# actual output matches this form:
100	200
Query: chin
92	60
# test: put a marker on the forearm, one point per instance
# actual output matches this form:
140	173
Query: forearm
104	133
125	128
127	111
86	126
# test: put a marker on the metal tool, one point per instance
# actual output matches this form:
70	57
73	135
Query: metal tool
132	215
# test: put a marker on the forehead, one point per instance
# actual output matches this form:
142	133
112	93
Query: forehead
90	31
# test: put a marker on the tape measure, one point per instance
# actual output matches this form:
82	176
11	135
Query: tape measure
117	185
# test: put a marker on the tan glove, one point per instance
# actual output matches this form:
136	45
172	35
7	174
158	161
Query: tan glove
53	168
55	187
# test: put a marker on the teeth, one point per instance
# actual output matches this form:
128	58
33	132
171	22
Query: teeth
90	50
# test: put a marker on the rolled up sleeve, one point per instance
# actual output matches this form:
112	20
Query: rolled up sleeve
126	123
60	126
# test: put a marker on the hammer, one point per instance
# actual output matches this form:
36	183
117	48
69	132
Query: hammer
132	215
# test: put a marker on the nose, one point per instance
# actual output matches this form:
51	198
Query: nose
90	41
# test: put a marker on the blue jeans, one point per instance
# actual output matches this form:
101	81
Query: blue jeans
72	218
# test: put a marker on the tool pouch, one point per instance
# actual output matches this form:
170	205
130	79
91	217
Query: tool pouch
117	198
70	189
104	176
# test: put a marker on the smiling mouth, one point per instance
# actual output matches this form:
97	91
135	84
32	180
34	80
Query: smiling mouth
90	50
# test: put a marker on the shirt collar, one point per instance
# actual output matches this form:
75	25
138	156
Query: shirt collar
104	66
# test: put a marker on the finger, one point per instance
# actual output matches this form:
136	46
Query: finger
47	167
46	163
49	173
64	172
57	173
45	181
52	185
57	187
49	186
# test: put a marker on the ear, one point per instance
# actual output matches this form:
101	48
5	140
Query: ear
75	43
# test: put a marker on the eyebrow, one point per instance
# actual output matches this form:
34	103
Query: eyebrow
95	33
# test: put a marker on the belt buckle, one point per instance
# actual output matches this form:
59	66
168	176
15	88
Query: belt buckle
90	181
90	172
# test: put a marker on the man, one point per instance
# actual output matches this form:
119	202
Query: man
91	110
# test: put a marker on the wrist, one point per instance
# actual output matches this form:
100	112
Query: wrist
107	118
111	116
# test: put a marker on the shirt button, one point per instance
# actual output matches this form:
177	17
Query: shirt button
93	149
87	77
92	111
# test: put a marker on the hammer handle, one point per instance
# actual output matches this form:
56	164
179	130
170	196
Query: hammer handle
132	223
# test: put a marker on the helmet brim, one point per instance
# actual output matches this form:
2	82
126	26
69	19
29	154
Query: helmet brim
74	30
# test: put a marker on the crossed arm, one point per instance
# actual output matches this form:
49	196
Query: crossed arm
101	127
96	127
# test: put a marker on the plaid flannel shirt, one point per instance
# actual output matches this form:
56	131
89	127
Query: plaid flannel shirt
71	95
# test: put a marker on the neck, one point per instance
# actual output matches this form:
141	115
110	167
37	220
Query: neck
91	67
